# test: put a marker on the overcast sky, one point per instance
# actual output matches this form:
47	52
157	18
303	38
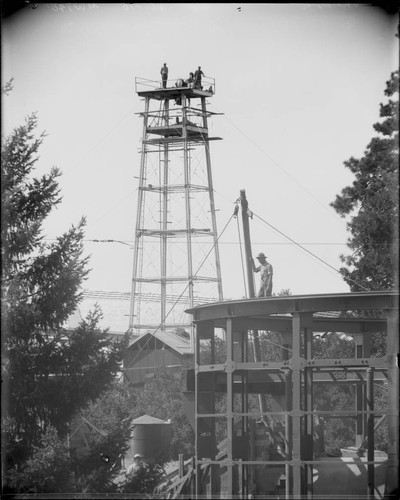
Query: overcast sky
299	86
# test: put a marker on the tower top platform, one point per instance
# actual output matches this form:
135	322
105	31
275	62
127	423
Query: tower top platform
174	89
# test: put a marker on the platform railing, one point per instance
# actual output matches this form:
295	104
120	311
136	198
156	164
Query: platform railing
144	84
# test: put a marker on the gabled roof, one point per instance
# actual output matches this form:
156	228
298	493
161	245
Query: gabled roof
147	419
171	339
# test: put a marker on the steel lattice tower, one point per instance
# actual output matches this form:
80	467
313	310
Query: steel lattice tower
176	259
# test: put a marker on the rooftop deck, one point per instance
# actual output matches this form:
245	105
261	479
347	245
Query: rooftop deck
262	308
174	90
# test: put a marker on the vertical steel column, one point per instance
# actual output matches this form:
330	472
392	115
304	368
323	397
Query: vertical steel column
186	176
288	434
392	357
198	328
370	432
244	409
212	203
308	401
296	402
229	407
359	395
193	481
140	207
164	222
181	465
363	350
287	341
213	467
366	352
252	471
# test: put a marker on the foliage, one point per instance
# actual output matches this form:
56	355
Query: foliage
381	403
331	345
372	204
339	432
206	352
270	346
96	469
8	87
49	373
145	480
162	397
48	469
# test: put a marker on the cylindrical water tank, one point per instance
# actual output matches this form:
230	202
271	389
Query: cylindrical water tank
150	438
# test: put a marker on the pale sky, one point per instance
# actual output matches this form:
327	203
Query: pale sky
299	86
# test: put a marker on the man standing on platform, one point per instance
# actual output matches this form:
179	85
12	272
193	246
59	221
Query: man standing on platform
266	275
197	78
164	75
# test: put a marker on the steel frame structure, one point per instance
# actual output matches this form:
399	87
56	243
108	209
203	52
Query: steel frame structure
295	318
172	124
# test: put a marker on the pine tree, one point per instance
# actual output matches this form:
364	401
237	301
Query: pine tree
100	464
373	205
49	373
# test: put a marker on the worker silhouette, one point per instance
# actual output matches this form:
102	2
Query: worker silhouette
164	75
266	271
135	467
197	78
190	81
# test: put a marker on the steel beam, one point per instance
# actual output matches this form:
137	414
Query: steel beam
392	478
283	324
229	408
301	372
288	435
212	203
164	237
308	402
140	207
359	395
370	433
297	303
297	363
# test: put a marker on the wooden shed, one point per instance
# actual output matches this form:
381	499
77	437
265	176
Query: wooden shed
155	351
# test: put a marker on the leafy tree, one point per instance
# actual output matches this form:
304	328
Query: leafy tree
49	373
95	470
48	468
372	204
144	481
162	397
8	87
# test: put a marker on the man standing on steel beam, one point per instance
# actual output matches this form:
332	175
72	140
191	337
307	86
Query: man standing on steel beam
164	75
266	275
197	78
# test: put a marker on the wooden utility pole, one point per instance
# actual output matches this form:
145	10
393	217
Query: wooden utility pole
267	420
250	284
247	243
